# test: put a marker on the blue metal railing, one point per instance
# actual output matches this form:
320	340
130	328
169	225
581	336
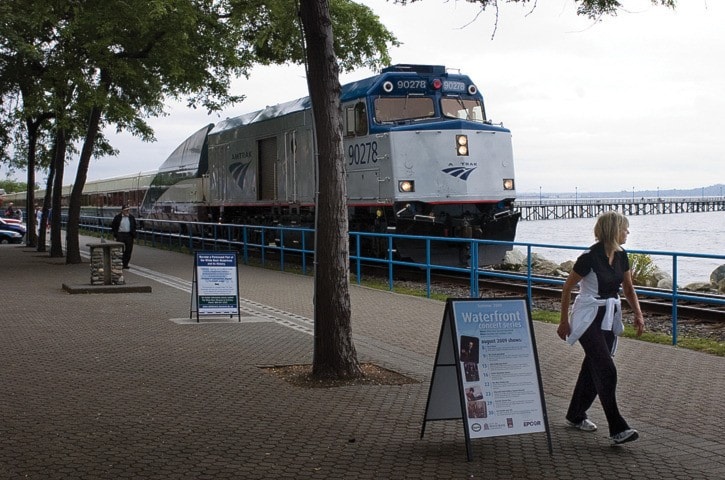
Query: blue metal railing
296	240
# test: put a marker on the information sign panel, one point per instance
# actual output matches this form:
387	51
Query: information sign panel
488	352
498	367
216	283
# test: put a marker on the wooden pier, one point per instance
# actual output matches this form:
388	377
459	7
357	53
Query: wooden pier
589	208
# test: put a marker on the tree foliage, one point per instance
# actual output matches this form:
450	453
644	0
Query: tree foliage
593	9
87	64
12	186
274	34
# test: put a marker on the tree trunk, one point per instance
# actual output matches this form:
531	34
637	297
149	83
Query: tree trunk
31	240
56	246
46	206
334	352
73	251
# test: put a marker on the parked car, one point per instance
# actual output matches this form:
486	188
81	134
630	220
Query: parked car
8	224
9	236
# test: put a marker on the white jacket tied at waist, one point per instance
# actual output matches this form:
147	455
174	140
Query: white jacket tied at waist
585	309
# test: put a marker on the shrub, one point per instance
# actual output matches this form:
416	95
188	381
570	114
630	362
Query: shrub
642	267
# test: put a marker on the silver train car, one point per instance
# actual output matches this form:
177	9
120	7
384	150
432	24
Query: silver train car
100	198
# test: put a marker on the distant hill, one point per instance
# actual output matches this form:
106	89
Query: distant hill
717	190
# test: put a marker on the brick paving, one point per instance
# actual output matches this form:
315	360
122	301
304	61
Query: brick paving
122	385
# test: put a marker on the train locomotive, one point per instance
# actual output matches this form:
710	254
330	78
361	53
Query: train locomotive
422	159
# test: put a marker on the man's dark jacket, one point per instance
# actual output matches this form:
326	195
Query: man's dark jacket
117	222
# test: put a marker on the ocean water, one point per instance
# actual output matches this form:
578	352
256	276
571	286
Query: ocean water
701	233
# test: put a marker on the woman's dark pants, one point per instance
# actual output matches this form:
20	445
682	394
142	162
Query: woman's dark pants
598	376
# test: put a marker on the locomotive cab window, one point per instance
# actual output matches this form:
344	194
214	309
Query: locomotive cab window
397	109
356	120
463	109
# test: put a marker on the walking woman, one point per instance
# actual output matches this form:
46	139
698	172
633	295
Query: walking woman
596	321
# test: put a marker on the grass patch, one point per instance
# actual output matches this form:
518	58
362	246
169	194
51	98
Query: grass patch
413	292
549	316
691	343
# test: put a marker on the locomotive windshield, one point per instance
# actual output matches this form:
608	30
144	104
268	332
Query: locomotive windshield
400	109
463	109
396	109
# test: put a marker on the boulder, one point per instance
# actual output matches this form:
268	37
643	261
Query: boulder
567	266
659	278
717	275
542	266
514	260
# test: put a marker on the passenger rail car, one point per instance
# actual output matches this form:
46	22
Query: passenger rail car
100	198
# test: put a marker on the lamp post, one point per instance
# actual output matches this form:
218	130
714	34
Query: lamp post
632	194
576	195
540	194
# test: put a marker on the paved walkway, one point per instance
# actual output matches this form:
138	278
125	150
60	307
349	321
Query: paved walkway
123	386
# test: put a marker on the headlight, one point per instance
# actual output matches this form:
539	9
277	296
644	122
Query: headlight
406	186
508	183
462	145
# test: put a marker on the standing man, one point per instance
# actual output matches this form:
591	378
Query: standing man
123	228
38	218
10	212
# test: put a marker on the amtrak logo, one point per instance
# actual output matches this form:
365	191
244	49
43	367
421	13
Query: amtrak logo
239	171
459	172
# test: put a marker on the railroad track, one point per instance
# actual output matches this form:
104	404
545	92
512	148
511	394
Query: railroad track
652	300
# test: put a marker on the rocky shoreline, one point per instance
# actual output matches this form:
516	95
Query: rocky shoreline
516	261
647	276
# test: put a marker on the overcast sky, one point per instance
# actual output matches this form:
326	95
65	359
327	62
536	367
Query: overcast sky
635	100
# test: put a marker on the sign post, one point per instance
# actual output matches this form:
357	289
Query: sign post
487	371
216	285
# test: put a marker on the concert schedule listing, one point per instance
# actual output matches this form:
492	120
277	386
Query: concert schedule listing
498	368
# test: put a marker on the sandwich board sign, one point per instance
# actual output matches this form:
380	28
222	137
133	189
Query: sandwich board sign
487	371
216	284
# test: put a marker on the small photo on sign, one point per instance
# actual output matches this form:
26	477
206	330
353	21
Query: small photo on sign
474	393
471	370
477	409
469	349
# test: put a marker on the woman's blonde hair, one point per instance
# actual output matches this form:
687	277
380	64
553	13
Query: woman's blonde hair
608	228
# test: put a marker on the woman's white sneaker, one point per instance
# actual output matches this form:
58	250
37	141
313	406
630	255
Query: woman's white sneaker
585	425
629	435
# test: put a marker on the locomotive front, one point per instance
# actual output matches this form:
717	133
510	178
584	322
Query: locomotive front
445	169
